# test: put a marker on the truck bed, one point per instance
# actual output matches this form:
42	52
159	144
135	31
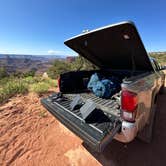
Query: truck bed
109	106
99	129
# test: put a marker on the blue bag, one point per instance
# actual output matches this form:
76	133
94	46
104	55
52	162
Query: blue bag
99	89
103	88
93	81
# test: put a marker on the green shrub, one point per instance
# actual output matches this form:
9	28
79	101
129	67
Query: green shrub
30	80
39	88
12	88
160	57
4	81
60	67
2	96
57	68
30	73
3	72
50	82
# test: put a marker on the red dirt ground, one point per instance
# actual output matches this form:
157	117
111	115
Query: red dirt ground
29	135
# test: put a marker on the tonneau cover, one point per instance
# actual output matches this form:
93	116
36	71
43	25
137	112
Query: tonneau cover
116	46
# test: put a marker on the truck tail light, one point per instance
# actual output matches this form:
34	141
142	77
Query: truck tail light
129	103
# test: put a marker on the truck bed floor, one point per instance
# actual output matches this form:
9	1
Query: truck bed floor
98	120
98	129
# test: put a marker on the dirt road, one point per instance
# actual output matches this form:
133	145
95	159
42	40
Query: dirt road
29	135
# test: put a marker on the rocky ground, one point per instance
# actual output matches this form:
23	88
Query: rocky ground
29	135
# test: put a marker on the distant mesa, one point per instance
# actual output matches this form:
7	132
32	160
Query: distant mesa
158	53
23	63
31	57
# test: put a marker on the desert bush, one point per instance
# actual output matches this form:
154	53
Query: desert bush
17	74
57	68
30	80
39	88
4	81
30	73
11	88
2	96
15	86
3	72
160	57
60	67
50	82
81	63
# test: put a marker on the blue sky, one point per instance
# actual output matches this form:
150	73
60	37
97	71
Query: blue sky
41	26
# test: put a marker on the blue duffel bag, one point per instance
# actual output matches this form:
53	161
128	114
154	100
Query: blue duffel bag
104	88
93	81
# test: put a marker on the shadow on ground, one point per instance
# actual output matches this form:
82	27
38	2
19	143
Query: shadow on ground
138	153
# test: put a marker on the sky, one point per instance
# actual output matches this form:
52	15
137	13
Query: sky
40	27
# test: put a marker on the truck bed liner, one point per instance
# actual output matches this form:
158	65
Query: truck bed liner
98	130
110	106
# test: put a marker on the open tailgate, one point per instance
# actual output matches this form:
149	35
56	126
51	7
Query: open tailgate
97	132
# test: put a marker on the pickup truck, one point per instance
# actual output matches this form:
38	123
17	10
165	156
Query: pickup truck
117	50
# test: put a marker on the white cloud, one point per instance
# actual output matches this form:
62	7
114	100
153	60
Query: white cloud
54	52
2	51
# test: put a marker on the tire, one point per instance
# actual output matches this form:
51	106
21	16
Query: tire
146	133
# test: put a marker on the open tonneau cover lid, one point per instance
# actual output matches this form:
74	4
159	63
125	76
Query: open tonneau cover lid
116	46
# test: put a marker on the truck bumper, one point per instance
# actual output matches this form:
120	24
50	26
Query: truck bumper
128	132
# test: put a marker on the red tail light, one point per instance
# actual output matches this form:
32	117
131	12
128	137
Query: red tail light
129	103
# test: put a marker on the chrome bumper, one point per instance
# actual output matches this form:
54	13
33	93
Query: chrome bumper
128	132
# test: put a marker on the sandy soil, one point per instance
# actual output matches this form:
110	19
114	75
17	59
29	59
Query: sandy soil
29	135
